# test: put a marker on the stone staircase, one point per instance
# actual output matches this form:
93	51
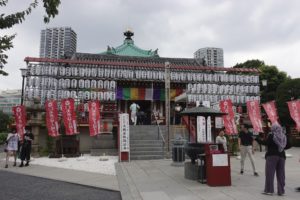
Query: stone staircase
145	143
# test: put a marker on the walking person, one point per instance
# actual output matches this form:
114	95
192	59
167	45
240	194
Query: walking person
221	139
134	108
11	146
26	148
245	143
276	142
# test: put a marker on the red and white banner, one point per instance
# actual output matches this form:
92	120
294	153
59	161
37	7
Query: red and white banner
229	123
271	111
19	113
255	115
294	107
52	118
94	117
69	116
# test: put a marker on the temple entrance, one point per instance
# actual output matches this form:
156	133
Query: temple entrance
143	114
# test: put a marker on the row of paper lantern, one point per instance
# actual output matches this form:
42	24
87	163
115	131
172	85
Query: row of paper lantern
222	89
62	94
217	98
53	83
123	73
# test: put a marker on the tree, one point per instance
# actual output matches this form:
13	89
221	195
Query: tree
270	73
8	21
287	91
4	121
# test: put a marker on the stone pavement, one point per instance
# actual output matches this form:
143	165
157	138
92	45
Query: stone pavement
157	179
72	176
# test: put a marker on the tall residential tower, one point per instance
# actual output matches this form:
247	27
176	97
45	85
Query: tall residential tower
210	56
59	42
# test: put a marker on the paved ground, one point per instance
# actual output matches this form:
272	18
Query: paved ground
154	179
159	180
22	187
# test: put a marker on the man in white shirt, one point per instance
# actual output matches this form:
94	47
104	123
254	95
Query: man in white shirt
134	108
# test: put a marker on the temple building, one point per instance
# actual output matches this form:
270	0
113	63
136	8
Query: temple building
125	74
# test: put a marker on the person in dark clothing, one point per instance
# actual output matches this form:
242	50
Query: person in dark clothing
26	148
245	143
276	143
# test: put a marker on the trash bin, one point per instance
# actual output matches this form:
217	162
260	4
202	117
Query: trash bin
178	153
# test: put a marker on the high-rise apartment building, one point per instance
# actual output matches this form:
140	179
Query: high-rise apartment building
210	56
59	42
9	99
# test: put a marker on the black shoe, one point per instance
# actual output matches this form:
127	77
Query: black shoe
15	164
6	166
242	172
298	189
256	174
27	164
21	165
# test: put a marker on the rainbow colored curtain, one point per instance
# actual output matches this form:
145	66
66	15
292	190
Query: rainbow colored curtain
145	93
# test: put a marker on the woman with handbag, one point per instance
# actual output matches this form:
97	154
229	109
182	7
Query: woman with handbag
11	146
276	143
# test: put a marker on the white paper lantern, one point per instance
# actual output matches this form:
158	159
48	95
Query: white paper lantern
106	84
81	84
87	84
62	71
68	71
73	83
100	96
112	85
80	95
100	72
73	94
87	95
100	84
67	83
81	72
93	95
94	84
94	72
113	96
107	73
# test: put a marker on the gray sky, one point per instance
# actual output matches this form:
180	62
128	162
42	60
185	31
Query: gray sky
268	30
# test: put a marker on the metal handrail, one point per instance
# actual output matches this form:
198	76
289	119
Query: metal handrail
159	130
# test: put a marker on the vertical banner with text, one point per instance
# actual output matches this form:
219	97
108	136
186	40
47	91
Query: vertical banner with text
19	113
255	115
271	111
52	118
229	122
294	107
69	116
94	117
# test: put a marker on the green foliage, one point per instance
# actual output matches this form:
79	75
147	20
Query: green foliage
5	121
3	137
288	90
254	64
270	73
8	21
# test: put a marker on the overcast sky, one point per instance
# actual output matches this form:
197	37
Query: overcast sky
268	30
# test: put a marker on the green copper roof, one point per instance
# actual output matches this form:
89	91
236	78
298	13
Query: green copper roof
129	49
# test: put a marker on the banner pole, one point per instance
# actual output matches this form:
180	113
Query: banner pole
61	146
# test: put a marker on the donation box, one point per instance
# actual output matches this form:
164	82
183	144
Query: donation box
217	165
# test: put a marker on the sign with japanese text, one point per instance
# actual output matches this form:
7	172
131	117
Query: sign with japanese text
255	115
52	118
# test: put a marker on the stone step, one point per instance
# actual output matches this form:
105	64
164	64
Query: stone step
146	145
100	152
146	142
146	153
146	157
143	148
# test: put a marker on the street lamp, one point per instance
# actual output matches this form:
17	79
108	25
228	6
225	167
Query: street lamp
264	82
23	73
